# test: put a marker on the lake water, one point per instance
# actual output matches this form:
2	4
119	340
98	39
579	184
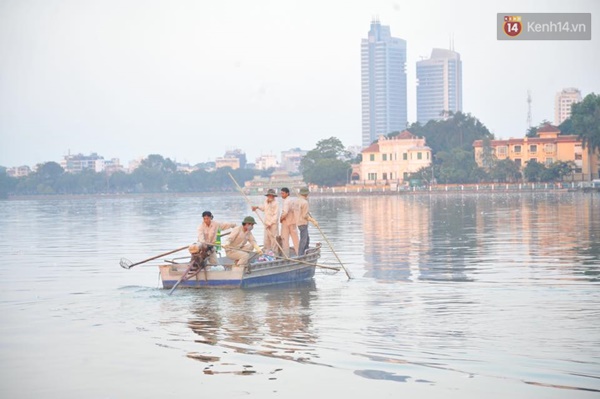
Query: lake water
454	296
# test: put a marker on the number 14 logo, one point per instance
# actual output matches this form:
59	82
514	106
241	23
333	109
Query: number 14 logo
512	25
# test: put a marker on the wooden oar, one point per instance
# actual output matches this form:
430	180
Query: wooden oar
331	247
183	277
126	263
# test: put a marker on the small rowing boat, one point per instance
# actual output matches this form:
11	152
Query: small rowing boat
261	272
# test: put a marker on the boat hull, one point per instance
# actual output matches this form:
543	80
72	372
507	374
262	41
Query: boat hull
260	274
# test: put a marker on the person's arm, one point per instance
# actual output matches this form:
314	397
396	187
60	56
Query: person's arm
225	226
254	244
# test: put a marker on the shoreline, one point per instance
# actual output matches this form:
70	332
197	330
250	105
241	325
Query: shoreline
323	192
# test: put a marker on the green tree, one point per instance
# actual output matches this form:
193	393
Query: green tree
585	118
7	183
459	166
505	170
534	171
45	180
153	173
423	175
458	131
327	164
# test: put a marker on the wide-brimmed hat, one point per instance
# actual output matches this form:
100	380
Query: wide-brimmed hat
249	219
271	192
304	191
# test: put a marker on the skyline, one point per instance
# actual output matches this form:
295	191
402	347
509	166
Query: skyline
190	81
382	83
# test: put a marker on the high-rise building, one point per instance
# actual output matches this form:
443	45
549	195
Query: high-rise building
439	85
563	102
383	83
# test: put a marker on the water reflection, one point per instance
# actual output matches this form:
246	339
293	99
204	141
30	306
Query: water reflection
274	323
526	318
461	237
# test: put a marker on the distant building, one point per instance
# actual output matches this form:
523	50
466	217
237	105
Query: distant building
563	102
239	154
393	159
383	83
207	166
548	147
185	168
265	162
19	171
279	179
291	159
231	162
439	85
79	162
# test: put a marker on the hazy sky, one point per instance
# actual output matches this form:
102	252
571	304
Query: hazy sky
190	79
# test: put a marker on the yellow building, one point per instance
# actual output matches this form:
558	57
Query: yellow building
547	148
393	159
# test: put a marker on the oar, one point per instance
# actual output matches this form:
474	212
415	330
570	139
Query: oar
331	247
182	277
126	263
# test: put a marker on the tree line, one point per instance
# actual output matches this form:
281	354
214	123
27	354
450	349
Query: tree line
329	163
155	174
451	142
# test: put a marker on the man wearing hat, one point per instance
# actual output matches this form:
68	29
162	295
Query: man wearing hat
303	219
271	210
241	242
207	234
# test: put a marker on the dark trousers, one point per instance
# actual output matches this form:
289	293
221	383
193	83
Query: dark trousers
304	239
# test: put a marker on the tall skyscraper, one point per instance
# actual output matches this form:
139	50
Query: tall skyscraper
439	87
383	83
563	102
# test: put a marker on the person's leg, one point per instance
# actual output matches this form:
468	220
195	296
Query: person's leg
295	239
303	239
285	239
267	240
273	238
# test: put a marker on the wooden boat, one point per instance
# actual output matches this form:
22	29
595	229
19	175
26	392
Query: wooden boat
257	274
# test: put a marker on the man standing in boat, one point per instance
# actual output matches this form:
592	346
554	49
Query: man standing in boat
241	242
271	210
207	234
288	222
303	219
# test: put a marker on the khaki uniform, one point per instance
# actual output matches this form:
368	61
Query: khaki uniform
288	225
271	210
302	222
240	239
207	234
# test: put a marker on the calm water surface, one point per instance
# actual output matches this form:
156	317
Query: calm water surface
455	296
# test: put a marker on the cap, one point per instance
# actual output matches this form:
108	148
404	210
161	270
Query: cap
271	192
248	219
304	191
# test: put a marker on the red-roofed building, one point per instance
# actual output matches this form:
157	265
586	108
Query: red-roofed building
548	147
392	159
